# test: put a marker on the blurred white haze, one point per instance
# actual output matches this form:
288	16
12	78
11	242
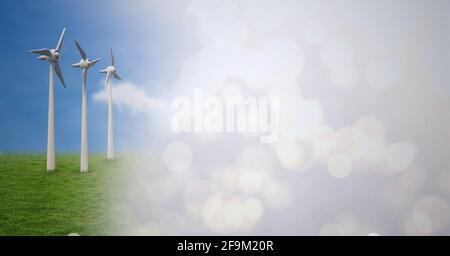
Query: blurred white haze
363	145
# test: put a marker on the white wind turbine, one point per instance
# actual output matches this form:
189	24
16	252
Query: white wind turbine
52	56
110	71
85	63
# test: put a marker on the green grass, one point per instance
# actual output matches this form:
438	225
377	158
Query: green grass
36	202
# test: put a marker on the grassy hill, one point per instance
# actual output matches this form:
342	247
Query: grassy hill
35	202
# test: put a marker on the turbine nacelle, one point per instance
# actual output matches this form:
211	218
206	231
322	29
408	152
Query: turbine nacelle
111	70
85	62
55	54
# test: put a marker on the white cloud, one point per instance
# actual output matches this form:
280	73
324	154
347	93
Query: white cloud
130	96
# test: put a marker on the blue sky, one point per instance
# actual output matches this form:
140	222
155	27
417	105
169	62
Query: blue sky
141	51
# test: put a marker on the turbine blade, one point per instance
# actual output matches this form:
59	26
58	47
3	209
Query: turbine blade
58	46
76	65
108	78
112	57
103	71
82	53
58	73
116	76
44	51
95	61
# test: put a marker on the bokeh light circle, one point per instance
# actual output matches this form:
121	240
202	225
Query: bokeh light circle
339	166
399	156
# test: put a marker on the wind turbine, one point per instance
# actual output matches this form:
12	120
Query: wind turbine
110	71
52	56
85	63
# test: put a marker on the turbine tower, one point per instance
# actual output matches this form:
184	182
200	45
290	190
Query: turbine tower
110	71
85	63
52	56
